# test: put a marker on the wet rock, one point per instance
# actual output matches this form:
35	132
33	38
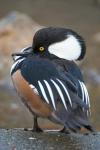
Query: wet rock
18	139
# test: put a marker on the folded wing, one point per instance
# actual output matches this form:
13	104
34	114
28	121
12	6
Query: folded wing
69	107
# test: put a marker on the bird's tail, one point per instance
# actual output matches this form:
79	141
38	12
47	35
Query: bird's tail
74	118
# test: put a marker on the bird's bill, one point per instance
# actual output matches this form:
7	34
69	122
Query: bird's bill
20	54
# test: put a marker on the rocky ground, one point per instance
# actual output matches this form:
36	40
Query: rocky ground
18	139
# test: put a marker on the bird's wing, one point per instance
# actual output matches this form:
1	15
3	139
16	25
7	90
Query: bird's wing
46	80
72	71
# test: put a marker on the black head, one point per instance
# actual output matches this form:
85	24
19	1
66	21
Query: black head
61	42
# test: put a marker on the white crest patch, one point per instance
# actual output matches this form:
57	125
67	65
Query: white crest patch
69	49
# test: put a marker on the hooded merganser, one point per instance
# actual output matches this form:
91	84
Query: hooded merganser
49	81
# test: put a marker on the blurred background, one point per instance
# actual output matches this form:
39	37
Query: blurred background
19	20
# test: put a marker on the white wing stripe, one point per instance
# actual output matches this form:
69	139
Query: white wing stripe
85	95
88	98
65	91
86	92
51	93
60	93
34	89
82	91
43	92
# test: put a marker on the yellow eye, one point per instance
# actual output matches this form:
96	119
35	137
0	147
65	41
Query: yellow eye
41	49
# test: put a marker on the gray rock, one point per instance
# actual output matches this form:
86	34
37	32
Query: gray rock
18	139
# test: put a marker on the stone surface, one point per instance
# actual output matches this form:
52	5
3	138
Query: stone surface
18	139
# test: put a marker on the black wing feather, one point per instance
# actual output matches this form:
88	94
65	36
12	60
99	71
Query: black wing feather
37	71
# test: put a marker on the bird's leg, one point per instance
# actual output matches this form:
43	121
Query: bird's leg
36	128
64	130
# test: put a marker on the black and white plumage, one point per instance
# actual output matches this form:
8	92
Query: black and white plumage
50	71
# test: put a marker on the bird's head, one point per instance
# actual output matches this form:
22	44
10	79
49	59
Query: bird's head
60	42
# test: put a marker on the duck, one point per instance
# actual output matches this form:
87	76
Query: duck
49	81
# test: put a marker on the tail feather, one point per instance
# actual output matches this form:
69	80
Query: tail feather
72	125
73	119
76	124
90	128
